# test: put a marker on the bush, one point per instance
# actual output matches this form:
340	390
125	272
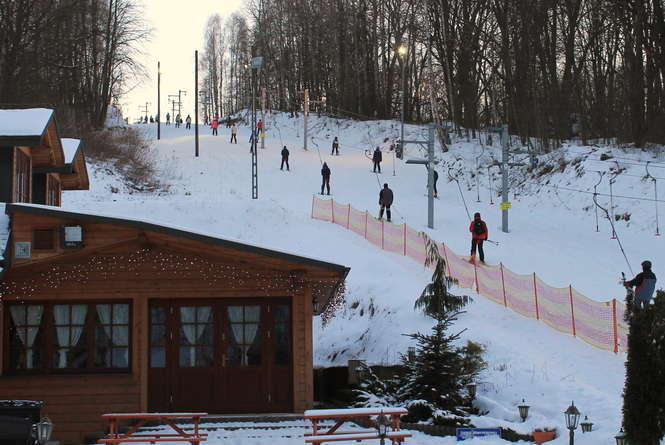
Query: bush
129	151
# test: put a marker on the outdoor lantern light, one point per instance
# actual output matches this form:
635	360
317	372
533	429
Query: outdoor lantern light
586	425
382	424
43	430
572	417
524	410
411	353
471	387
621	438
402	50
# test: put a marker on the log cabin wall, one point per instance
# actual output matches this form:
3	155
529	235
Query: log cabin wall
126	263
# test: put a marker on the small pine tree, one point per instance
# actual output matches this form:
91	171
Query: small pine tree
374	391
435	383
644	392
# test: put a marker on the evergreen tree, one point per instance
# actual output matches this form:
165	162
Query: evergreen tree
644	392
375	391
435	383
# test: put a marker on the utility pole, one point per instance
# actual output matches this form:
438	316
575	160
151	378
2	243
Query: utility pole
145	109
172	106
196	103
306	112
255	64
505	204
180	100
159	115
429	164
263	117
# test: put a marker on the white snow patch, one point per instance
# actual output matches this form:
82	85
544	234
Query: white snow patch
70	148
26	122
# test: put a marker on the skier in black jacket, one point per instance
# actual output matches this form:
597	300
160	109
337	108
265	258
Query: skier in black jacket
325	174
285	158
645	284
377	157
335	147
385	201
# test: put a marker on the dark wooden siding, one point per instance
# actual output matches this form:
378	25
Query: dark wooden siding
6	173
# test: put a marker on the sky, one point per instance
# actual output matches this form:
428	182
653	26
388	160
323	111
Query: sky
178	29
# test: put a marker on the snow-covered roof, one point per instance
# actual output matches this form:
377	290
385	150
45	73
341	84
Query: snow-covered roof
70	147
24	122
4	232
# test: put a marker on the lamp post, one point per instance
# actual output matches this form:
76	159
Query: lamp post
572	417
621	438
524	410
586	425
42	430
382	424
402	51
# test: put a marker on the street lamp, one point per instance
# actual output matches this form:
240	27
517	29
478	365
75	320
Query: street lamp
621	438
586	425
402	51
42	430
524	410
572	417
382	424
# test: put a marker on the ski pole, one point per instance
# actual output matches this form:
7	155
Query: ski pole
496	243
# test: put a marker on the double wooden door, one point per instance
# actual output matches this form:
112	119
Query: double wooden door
220	356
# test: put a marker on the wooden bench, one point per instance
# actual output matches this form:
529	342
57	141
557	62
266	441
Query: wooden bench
341	416
114	437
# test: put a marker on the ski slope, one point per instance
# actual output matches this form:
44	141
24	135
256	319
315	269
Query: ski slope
552	233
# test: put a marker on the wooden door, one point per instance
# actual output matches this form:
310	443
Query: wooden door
221	356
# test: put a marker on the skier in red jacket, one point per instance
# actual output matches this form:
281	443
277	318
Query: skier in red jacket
479	233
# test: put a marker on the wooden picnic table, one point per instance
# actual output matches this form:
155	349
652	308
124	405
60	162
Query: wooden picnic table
114	437
341	416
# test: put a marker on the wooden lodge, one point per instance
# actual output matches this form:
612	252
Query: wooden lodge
101	314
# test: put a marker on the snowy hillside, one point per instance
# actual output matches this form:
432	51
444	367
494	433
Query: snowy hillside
552	233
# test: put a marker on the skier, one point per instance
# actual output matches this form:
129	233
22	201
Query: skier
385	201
188	122
259	127
644	283
325	174
177	120
377	158
285	158
479	233
168	118
152	120
214	124
435	178
335	147
234	133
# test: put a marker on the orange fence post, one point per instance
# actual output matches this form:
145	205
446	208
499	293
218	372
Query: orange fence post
614	325
572	309
332	210
348	217
404	225
365	224
535	294
475	271
312	206
503	285
382	231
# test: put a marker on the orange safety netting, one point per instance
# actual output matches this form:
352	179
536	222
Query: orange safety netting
600	324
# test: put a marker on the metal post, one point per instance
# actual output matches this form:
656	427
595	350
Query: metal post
430	177
159	112
196	103
254	146
263	116
401	140
504	177
306	112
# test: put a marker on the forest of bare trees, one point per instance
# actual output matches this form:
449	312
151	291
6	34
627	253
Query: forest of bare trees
551	69
73	55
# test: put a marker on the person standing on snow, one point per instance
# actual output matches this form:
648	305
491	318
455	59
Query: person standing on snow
214	124
325	174
168	118
335	147
285	158
188	122
377	157
479	234
234	133
645	285
435	178
385	201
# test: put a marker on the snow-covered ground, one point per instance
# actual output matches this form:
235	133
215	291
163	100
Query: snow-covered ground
552	234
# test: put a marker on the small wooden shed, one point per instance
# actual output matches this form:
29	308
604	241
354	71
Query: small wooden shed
103	314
